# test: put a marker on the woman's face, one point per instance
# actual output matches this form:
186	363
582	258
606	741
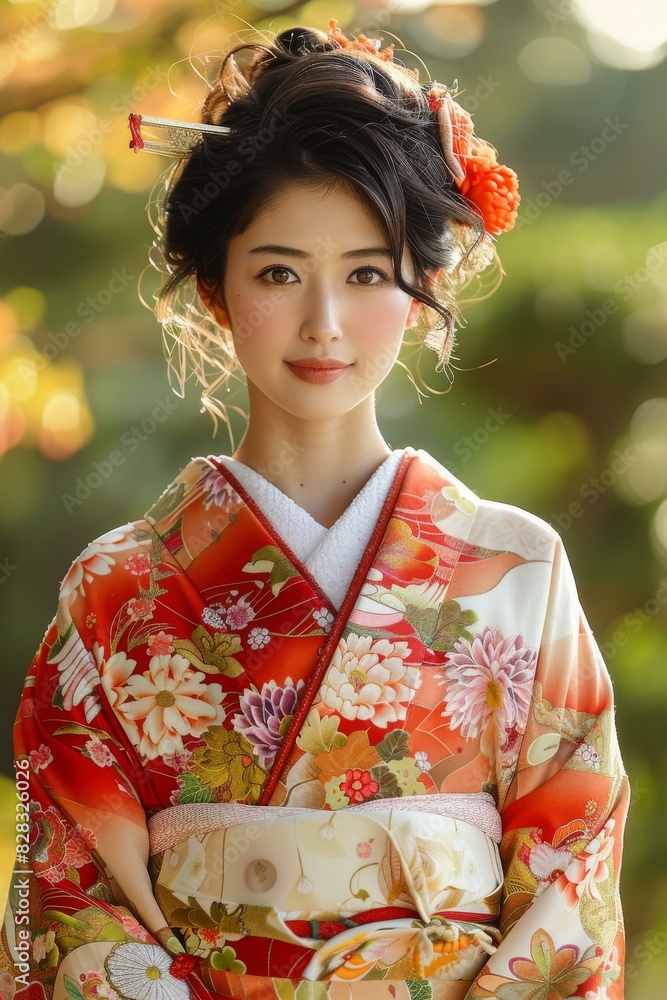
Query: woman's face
312	278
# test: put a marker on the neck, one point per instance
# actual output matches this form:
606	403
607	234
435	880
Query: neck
320	464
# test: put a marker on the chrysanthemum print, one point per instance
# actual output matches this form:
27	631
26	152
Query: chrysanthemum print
416	795
489	679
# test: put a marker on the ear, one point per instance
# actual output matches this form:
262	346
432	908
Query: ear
212	299
433	276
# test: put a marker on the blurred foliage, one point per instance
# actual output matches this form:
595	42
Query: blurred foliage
569	421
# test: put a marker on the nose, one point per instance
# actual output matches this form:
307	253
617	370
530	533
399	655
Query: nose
321	320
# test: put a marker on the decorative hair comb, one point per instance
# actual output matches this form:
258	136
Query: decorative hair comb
181	137
492	187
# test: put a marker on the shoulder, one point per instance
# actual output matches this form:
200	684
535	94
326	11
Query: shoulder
127	552
495	524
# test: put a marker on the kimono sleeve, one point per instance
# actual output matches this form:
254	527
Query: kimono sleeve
563	822
80	888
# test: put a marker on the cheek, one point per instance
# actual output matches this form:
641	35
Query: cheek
390	309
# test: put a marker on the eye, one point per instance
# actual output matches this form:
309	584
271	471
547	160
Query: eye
277	270
371	271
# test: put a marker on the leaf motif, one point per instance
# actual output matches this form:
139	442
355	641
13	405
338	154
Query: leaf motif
451	626
542	951
229	766
112	931
78	727
394	746
62	640
390	874
319	733
357	752
192	791
284	989
213	654
302	785
72	988
440	627
419	989
270	559
164	504
387	781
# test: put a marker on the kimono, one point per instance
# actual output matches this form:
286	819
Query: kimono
228	787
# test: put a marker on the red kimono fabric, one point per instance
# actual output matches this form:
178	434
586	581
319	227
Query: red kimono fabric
419	795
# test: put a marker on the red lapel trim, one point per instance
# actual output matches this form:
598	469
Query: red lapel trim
326	651
270	530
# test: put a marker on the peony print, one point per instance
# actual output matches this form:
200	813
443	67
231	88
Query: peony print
168	701
489	679
265	717
368	679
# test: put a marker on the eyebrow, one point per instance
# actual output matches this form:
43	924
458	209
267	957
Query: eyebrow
293	252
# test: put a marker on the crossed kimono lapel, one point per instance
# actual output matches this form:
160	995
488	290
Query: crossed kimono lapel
230	547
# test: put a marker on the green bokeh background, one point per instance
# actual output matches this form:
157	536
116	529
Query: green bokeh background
583	408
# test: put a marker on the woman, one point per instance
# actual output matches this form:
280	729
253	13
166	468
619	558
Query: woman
322	723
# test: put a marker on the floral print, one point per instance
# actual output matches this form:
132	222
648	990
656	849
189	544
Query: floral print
358	785
141	972
587	869
169	701
258	638
490	678
265	717
192	663
40	758
369	680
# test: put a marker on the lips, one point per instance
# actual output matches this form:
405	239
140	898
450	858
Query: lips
315	370
319	363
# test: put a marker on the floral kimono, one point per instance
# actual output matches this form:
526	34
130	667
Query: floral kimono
228	787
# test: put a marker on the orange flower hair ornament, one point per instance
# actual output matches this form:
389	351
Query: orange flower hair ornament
491	187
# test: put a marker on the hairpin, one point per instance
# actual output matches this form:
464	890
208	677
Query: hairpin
181	138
